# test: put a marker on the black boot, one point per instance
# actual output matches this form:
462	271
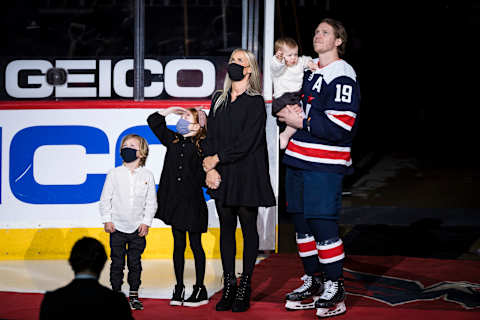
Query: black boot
228	294
242	298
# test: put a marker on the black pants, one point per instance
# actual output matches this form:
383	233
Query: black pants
228	226
132	246
179	246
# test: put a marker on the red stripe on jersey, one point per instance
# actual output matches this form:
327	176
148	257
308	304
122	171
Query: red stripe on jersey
348	120
319	153
307	246
330	253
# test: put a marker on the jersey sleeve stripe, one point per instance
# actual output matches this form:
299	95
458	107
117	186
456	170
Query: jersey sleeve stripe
344	119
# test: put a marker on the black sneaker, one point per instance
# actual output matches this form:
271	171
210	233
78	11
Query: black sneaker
303	297
178	295
199	297
135	304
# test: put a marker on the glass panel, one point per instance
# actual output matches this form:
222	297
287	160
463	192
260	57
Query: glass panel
73	28
93	41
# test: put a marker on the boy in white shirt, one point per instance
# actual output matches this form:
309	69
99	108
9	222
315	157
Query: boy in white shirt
127	206
287	75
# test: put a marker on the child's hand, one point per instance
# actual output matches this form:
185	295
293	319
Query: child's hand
279	55
143	230
312	65
109	227
176	110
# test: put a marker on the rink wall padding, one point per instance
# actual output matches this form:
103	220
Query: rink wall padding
56	243
54	157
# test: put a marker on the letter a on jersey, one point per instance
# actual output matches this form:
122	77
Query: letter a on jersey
318	84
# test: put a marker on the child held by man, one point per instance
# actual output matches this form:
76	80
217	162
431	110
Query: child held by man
287	75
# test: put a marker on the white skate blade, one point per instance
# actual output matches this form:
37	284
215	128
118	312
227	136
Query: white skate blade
330	312
300	305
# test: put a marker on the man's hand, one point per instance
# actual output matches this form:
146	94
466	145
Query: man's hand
292	116
213	179
143	230
109	227
210	162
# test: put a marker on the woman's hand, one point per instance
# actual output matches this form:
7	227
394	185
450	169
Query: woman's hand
109	227
210	162
213	179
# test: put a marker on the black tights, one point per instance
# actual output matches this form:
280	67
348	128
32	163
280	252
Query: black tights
228	226
179	245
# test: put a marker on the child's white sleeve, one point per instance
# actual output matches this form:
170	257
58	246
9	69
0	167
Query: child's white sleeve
150	202
105	204
277	67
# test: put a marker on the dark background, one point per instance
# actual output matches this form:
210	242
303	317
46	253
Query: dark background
416	64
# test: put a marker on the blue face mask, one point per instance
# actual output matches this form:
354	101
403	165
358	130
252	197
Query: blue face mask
182	126
128	154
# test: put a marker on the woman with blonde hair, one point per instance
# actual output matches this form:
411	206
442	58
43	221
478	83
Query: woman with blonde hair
237	171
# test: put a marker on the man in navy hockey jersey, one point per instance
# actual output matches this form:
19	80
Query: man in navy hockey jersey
317	158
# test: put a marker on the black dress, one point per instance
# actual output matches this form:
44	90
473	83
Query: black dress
181	203
236	132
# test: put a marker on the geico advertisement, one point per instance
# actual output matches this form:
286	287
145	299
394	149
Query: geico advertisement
54	163
109	78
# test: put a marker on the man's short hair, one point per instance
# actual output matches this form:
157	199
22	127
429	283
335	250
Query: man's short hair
290	98
88	254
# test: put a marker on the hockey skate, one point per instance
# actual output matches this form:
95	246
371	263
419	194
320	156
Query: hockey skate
332	301
304	296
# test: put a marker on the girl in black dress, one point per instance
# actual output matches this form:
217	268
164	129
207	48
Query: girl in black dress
180	195
237	171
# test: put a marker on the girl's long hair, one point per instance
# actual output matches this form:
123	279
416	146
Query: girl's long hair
254	87
201	134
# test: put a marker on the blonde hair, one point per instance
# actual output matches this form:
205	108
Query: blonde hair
285	41
254	88
143	147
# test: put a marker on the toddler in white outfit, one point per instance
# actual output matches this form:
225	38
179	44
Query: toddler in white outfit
287	75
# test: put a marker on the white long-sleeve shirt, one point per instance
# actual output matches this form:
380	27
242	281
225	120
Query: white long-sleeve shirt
287	78
128	198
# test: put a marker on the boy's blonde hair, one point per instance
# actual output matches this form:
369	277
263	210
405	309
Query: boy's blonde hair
285	41
143	147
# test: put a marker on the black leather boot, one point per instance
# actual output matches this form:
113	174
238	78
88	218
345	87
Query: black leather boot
242	298
228	293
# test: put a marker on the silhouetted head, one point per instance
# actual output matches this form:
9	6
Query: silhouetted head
88	255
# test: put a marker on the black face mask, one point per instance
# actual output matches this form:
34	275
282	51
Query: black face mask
128	154
235	72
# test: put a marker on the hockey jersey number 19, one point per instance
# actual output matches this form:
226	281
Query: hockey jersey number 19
331	100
